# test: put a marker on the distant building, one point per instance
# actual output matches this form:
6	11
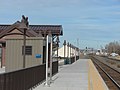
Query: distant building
67	50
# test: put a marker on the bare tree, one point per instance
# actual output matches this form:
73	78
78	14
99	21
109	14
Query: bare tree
113	47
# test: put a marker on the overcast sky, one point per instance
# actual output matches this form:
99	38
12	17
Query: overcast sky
93	22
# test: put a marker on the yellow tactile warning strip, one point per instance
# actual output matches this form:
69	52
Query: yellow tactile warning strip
95	81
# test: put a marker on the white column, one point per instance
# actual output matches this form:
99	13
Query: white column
51	60
66	50
75	54
79	53
46	83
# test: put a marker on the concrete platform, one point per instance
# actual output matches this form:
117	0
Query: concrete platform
2	70
70	77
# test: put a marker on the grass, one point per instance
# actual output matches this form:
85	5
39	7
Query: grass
118	66
112	63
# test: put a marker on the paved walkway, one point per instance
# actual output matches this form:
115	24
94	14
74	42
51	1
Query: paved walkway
2	70
70	77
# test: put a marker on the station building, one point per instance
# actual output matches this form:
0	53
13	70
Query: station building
11	44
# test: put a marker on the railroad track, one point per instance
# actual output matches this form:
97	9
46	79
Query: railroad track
110	62
109	75
112	59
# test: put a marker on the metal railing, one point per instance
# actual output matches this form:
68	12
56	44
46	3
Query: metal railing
26	78
54	67
73	59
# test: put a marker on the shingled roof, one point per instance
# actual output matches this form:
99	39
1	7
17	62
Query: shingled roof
54	29
34	30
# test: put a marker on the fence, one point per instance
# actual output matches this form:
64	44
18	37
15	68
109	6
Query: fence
24	79
73	59
54	67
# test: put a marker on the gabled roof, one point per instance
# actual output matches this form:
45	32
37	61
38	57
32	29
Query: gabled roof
34	30
6	30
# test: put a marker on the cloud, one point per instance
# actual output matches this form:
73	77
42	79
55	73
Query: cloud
92	18
96	18
115	13
38	4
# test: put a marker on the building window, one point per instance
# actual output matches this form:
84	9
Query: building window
28	50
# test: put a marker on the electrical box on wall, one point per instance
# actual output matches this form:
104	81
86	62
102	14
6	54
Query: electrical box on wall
38	55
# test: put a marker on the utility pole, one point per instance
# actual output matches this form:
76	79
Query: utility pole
78	42
57	40
68	49
78	47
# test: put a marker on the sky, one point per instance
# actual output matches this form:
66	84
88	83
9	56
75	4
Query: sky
93	23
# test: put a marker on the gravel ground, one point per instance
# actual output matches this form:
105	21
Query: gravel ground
112	63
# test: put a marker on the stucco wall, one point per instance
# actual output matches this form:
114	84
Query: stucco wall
61	51
14	57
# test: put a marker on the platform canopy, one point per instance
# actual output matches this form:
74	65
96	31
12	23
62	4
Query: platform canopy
33	30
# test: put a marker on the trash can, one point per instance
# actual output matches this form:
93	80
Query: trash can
66	61
70	61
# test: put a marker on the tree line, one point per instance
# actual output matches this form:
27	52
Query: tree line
113	47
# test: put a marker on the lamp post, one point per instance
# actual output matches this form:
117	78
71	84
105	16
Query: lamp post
64	47
24	28
75	54
68	49
57	40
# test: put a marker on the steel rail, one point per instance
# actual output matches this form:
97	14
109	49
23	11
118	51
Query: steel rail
95	61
